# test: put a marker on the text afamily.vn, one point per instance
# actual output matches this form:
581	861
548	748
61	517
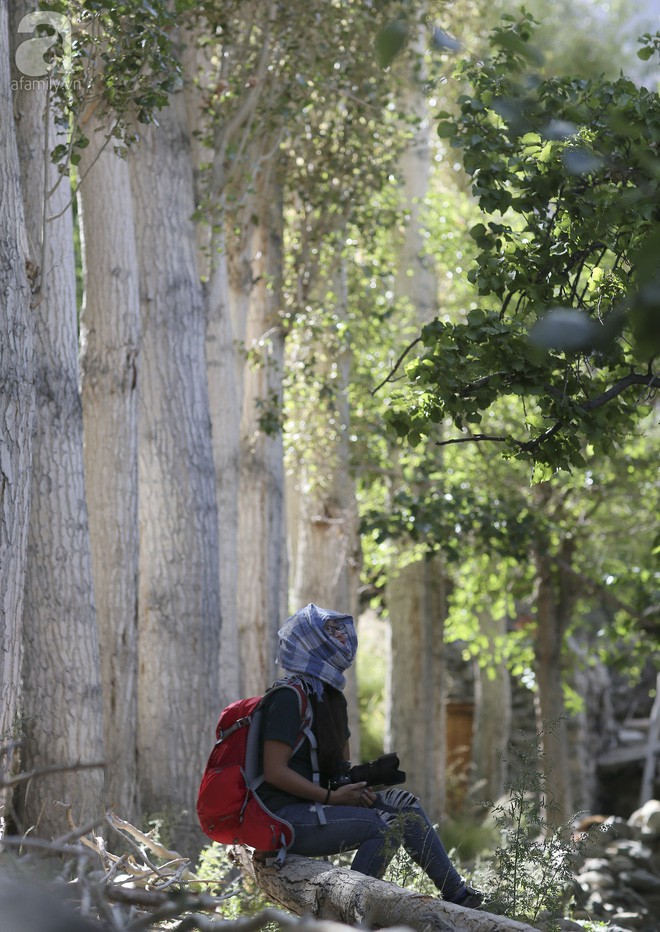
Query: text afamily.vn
42	84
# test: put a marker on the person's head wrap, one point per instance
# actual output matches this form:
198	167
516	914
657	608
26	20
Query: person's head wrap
308	648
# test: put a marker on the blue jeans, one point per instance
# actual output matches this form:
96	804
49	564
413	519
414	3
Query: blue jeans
395	818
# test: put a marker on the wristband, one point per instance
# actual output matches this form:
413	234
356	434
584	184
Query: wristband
327	797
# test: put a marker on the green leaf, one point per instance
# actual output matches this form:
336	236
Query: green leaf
390	42
58	153
446	130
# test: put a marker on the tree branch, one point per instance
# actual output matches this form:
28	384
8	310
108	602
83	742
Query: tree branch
396	365
635	378
310	886
475	438
43	771
650	381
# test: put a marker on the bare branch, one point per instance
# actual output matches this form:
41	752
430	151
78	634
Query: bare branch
397	364
172	857
475	438
43	771
27	841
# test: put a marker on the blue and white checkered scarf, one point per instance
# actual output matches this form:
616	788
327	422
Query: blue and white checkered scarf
306	648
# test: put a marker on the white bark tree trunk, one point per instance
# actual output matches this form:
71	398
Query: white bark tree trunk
179	620
262	557
62	701
224	362
492	723
326	555
415	720
224	379
110	335
16	411
416	597
327	552
314	887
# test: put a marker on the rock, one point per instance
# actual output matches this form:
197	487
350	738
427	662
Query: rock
618	880
648	817
567	925
631	920
619	863
642	880
595	880
599	864
612	927
639	853
615	827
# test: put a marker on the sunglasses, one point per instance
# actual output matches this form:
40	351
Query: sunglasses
335	627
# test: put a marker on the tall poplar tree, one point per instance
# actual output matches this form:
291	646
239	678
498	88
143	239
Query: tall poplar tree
61	695
110	326
16	413
178	601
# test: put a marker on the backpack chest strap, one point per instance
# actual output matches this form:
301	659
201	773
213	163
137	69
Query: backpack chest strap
307	733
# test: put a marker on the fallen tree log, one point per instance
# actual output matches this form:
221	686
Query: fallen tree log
313	887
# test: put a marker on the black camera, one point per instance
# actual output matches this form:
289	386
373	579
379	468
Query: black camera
384	771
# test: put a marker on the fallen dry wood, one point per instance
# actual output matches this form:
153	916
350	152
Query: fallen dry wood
317	888
268	917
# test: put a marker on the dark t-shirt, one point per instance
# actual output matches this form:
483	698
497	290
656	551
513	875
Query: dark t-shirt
280	721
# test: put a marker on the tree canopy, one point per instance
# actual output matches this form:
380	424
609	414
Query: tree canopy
566	174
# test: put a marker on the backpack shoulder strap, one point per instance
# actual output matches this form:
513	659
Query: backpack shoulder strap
298	686
306	733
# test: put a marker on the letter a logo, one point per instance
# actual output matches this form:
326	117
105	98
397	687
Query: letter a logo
30	54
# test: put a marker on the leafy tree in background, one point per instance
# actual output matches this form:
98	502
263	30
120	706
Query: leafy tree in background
566	174
570	224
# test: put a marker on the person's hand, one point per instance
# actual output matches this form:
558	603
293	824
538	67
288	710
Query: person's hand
352	794
367	798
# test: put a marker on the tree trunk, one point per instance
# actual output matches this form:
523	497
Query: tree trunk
326	557
492	724
589	729
262	558
179	621
307	886
416	280
110	336
62	701
416	702
224	360
416	596
552	609
549	700
16	412
327	554
224	378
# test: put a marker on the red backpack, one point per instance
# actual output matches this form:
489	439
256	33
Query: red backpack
228	808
